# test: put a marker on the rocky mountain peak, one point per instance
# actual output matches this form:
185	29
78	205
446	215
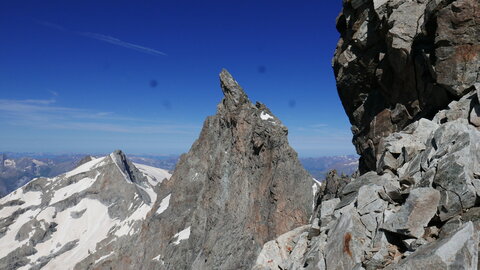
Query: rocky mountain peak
234	96
131	173
239	186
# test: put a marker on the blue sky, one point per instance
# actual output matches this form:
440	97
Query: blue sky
94	76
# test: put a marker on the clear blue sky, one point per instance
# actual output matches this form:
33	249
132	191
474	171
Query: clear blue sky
94	76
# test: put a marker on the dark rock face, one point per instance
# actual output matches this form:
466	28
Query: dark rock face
399	61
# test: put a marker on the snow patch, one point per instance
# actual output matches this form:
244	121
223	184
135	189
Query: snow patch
8	241
9	163
103	257
183	235
126	227
163	204
157	258
84	167
32	198
89	229
154	175
265	116
71	189
315	188
352	163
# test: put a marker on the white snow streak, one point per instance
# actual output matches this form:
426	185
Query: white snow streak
103	257
84	167
163	204
183	235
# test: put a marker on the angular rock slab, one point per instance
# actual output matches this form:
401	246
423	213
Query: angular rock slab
455	146
457	251
277	253
415	214
346	242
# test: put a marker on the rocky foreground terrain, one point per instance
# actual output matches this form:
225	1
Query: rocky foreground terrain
408	76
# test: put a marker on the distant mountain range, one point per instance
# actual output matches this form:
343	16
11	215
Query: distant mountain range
319	166
17	169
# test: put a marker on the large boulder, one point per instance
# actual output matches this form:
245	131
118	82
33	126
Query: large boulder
456	251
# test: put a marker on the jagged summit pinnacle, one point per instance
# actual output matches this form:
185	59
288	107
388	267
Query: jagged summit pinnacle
233	92
131	173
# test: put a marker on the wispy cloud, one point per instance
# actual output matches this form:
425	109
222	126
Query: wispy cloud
121	43
318	125
105	38
45	114
50	25
38	101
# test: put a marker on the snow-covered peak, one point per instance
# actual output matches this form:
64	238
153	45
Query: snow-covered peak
56	223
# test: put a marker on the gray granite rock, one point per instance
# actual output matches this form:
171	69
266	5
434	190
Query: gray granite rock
415	214
457	251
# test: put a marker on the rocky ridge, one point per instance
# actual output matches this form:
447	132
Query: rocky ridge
239	186
408	76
